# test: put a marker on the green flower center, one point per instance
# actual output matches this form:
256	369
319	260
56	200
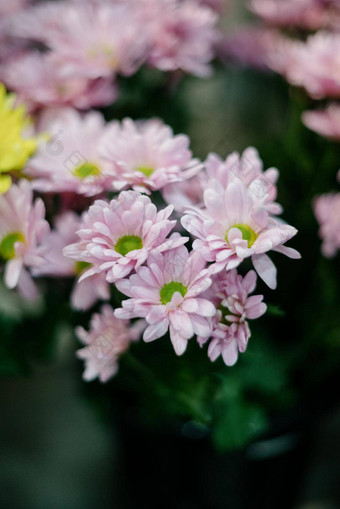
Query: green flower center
248	233
128	243
169	289
7	250
225	311
146	170
86	170
80	267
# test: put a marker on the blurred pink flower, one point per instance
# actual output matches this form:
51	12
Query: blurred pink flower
327	213
165	293
233	227
117	237
107	339
69	160
49	84
13	6
95	39
146	155
230	294
250	46
85	293
307	14
181	35
22	230
313	65
325	122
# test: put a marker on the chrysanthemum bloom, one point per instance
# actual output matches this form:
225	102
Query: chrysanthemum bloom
107	339
166	293
69	160
55	264
327	213
308	14
146	155
313	65
96	39
15	144
187	193
117	237
325	122
248	168
182	35
233	227
22	229
230	294
49	83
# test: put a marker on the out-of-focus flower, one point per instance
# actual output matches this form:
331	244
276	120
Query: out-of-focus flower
233	227
325	122
14	6
107	339
250	46
165	293
69	160
230	294
48	83
327	213
306	14
15	144
97	40
181	35
146	155
117	237
88	291
313	65
22	229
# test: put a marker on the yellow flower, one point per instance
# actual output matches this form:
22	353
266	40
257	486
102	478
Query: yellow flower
15	148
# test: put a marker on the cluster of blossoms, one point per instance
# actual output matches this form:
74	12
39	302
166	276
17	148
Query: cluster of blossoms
71	52
129	240
307	54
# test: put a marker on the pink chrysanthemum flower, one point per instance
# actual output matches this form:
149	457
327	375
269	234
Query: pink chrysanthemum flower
327	212
186	194
107	339
181	35
324	122
308	14
22	229
48	83
69	160
165	293
117	237
146	155
233	227
248	168
99	39
313	65
230	294
88	291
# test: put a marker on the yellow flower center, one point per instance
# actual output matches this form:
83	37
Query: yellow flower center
248	233
7	249
169	289
146	170
128	243
86	170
